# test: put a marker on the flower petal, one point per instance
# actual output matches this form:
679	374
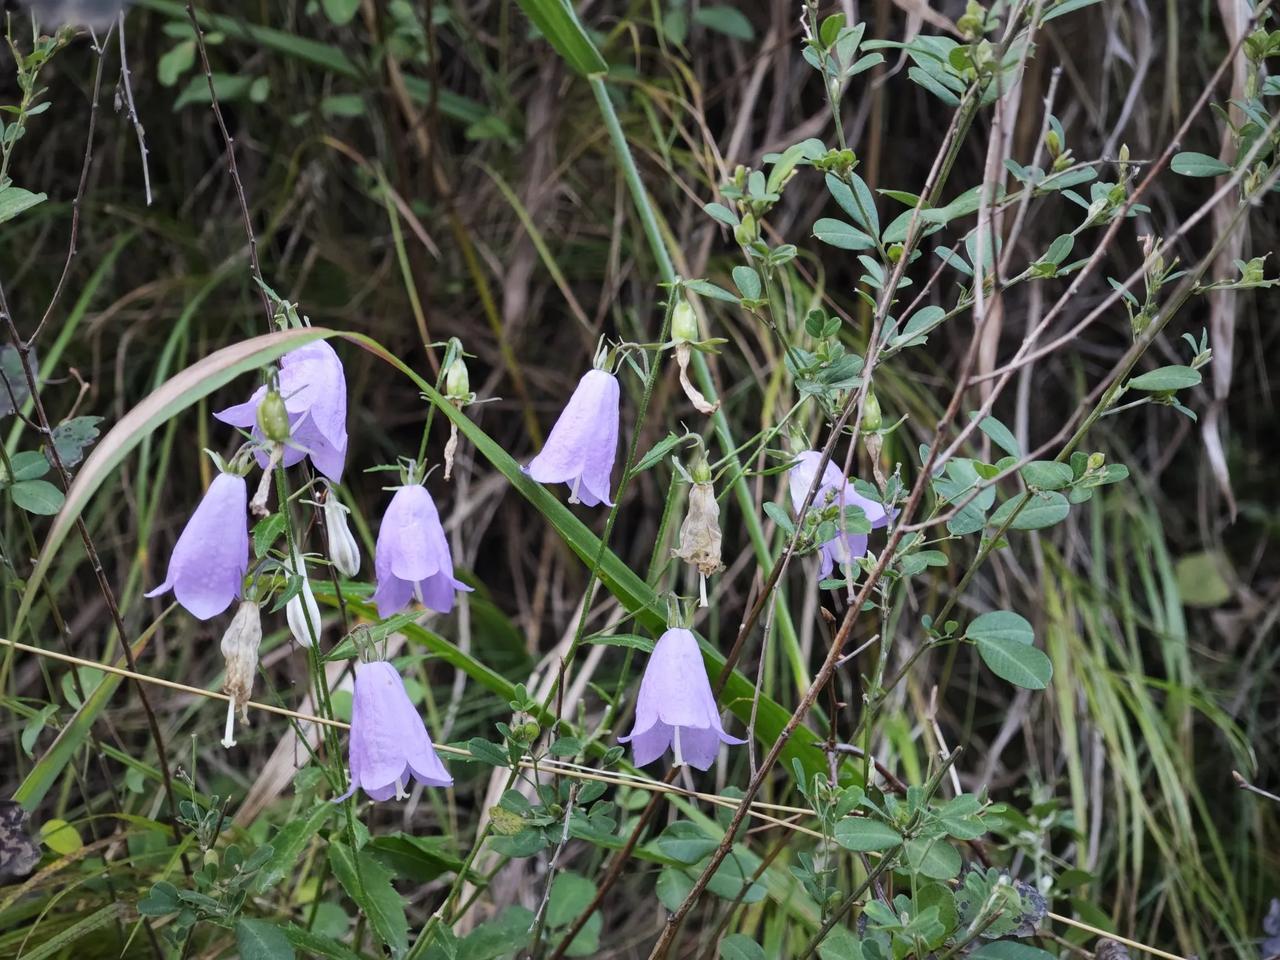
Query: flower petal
211	555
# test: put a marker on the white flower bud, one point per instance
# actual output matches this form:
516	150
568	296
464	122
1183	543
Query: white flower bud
302	612
344	552
240	648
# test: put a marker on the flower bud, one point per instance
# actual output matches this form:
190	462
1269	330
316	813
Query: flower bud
344	552
1096	461
240	649
1053	144
302	612
273	418
457	383
684	323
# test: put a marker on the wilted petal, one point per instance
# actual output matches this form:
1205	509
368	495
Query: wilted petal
582	446
207	567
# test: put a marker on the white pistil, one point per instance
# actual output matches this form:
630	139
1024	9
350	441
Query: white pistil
573	493
675	746
702	589
228	733
401	793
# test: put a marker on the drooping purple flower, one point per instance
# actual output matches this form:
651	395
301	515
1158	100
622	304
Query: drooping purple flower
584	441
411	558
675	707
314	389
833	490
389	742
207	567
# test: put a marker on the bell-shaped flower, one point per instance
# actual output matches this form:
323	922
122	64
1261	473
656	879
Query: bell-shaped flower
207	567
240	649
314	389
344	552
675	707
584	441
302	613
389	742
412	558
833	490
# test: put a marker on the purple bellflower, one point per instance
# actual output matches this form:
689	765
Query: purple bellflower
584	441
389	742
411	557
208	563
314	389
675	707
833	490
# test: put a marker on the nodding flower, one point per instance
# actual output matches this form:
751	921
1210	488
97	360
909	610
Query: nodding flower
314	388
675	707
208	563
412	558
582	445
833	489
389	741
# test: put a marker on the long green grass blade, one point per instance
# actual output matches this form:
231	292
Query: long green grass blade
558	22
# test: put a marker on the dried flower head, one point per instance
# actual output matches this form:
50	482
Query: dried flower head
700	536
685	333
240	645
675	707
208	563
389	742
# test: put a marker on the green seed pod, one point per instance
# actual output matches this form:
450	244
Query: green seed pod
457	382
273	417
684	323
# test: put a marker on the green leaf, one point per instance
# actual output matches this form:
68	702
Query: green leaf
488	752
340	12
161	901
1019	663
261	940
72	437
936	859
1010	950
266	532
999	434
176	62
1001	625
727	20
855	200
919	324
1047	474
1166	379
12	379
1200	580
643	644
737	946
709	289
865	835
558	22
570	894
28	465
1064	7
843	235
1191	164
1043	510
14	200
747	281
226	86
372	891
288	844
37	496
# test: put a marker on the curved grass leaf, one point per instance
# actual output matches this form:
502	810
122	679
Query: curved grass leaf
557	21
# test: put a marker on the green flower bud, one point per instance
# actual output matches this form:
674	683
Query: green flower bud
1096	461
273	417
1053	143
